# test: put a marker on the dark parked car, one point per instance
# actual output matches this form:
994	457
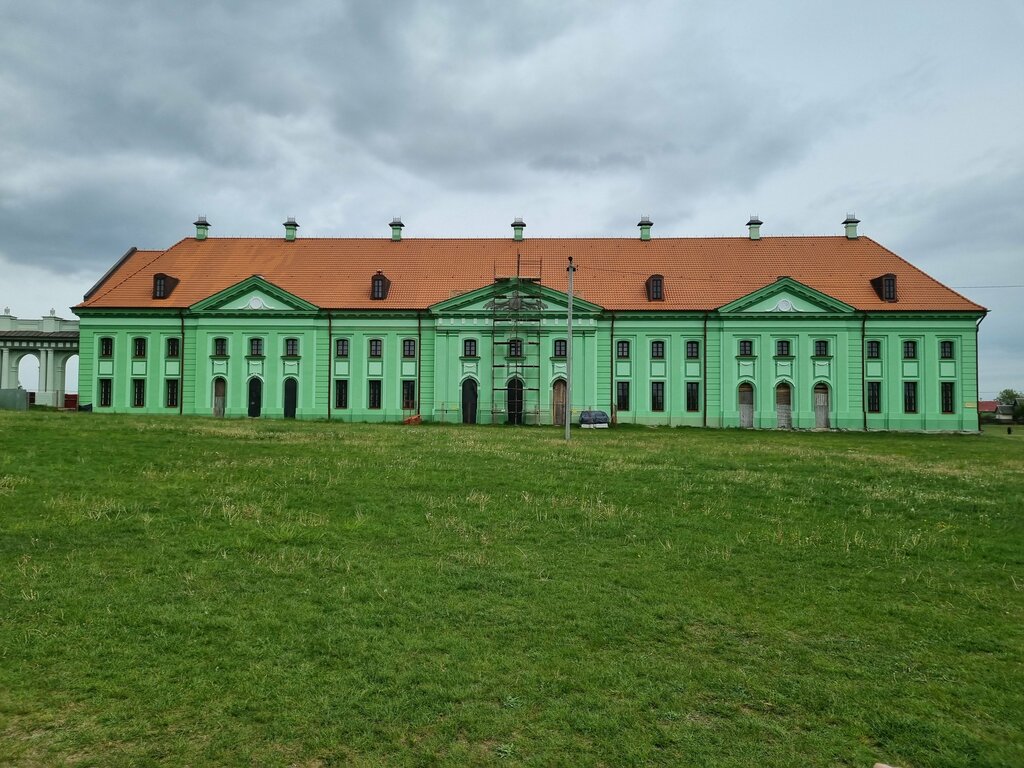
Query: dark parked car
594	420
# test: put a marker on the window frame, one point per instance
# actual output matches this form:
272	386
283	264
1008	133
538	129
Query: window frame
910	345
220	347
106	346
821	348
172	348
873	396
622	395
341	394
873	349
658	396
375	348
947	350
408	394
106	392
622	349
469	348
693	350
291	347
407	345
138	393
256	346
374	394
559	348
657	349
656	288
139	342
341	348
947	397
693	397
745	348
783	348
515	348
910	404
171	393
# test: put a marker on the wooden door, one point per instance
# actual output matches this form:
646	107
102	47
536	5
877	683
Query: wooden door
291	397
746	393
558	403
821	406
784	406
255	397
220	389
469	402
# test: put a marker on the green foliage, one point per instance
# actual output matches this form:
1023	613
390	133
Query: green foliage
1009	397
196	592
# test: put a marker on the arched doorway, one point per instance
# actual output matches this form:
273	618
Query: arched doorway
469	402
255	397
291	397
821	406
28	373
784	405
746	393
71	378
558	403
515	401
220	391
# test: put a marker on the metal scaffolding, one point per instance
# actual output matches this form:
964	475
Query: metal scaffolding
516	330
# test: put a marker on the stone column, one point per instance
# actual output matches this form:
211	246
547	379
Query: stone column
5	363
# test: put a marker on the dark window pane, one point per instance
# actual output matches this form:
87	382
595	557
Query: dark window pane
256	347
948	406
341	393
173	347
138	393
341	348
469	348
910	397
889	289
515	348
657	396
408	394
821	348
409	348
692	396
139	347
658	350
159	287
692	350
782	348
560	349
909	350
376	347
106	393
291	347
172	393
946	350
874	350
106	347
375	389
622	350
622	395
874	397
746	348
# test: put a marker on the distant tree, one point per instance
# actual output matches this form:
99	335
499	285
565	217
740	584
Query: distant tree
1009	397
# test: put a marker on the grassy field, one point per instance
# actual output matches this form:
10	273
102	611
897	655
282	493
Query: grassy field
194	592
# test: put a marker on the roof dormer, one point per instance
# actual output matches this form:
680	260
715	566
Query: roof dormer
379	286
885	287
656	288
163	285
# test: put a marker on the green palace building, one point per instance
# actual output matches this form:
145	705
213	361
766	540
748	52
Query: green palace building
761	332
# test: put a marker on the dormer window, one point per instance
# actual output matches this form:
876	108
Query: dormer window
163	285
655	288
885	287
379	286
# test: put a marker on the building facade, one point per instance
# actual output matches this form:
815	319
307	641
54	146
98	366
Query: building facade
773	332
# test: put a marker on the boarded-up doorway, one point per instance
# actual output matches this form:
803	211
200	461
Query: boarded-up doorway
220	390
784	405
255	397
558	403
821	406
746	393
469	402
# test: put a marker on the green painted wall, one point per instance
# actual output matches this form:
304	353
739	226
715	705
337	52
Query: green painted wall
439	367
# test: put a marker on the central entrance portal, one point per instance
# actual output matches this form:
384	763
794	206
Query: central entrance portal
255	397
558	403
784	405
515	401
746	393
220	388
821	406
469	402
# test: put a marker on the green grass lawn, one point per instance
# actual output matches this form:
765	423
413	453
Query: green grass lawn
195	592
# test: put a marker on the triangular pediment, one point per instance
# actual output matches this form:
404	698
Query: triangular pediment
252	295
504	296
786	296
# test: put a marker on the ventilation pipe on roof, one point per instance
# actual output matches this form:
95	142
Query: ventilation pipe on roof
396	229
645	225
754	225
851	223
289	229
202	227
517	228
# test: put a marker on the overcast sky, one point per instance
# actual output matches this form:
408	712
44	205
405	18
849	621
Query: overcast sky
123	121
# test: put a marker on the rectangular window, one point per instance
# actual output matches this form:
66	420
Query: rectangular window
291	347
622	395
376	348
256	347
657	350
138	347
910	397
515	348
409	348
693	396
948	406
889	288
172	393
622	350
657	395
874	397
159	287
874	350
341	348
746	348
469	348
692	350
560	349
106	347
138	393
341	393
946	350
375	389
408	394
782	348
821	348
220	347
173	347
106	392
909	350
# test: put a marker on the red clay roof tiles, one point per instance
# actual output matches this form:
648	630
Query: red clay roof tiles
700	273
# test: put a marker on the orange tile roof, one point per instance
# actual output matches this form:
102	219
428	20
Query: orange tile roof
700	273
